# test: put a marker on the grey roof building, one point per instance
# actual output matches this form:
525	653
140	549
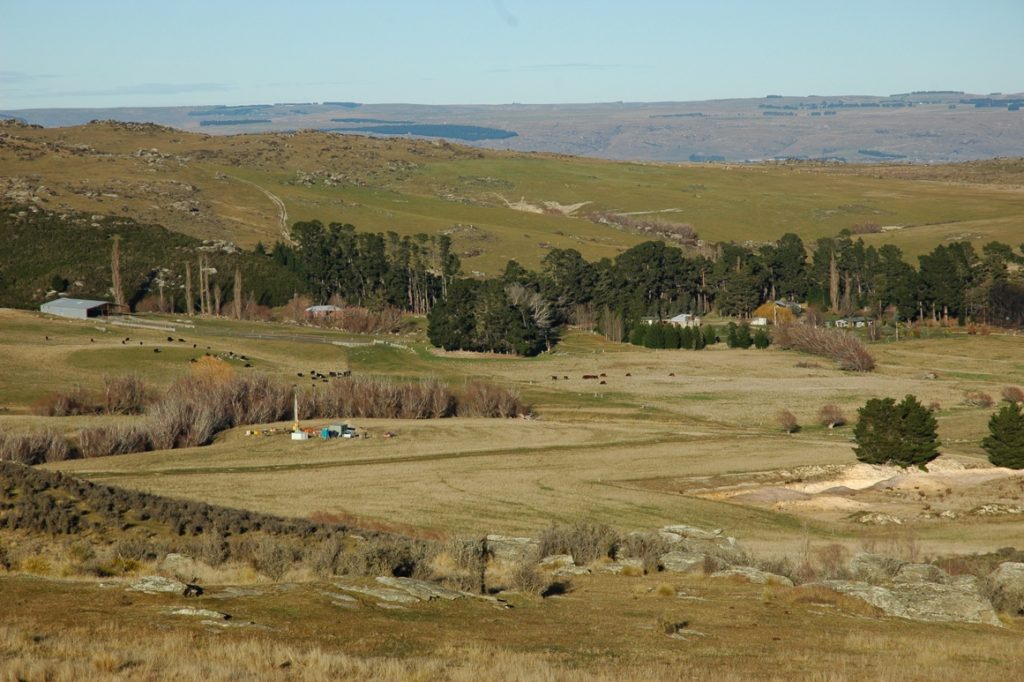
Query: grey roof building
78	308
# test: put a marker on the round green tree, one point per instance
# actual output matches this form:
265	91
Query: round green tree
1005	442
919	438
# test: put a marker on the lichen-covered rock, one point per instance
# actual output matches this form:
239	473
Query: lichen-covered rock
959	601
555	562
753	575
508	548
874	568
682	562
631	566
157	584
920	573
421	589
1007	587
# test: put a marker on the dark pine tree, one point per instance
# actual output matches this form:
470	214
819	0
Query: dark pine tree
877	432
1005	442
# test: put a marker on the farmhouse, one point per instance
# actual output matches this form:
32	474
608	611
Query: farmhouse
80	308
852	322
685	320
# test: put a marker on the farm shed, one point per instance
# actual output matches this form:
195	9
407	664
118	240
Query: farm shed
79	308
322	310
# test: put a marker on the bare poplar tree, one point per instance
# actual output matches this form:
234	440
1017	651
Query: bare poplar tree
238	294
202	287
189	309
115	271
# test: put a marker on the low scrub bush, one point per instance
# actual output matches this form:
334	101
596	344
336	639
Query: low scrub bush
787	421
359	320
483	399
1013	394
101	441
584	540
34	448
978	399
647	547
73	402
124	394
846	349
830	416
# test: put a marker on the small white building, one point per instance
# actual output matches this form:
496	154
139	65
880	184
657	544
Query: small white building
759	322
322	310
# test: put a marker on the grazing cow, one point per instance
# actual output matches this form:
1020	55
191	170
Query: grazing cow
92	340
628	374
554	377
156	350
603	375
181	340
590	376
347	373
299	374
47	338
194	345
671	374
193	360
170	339
604	382
565	377
248	364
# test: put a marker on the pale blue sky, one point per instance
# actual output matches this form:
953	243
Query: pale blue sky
185	52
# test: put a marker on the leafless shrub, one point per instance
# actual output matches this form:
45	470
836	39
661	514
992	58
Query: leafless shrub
645	546
934	406
124	394
787	420
840	346
378	398
584	540
482	399
1013	394
387	556
34	448
357	320
978	399
526	577
831	416
101	441
73	402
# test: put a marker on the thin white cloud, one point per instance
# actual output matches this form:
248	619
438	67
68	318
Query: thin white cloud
148	89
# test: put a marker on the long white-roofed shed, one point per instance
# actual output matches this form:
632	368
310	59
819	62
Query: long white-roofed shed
77	307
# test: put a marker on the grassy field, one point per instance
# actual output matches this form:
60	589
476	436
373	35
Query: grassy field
634	453
591	452
496	205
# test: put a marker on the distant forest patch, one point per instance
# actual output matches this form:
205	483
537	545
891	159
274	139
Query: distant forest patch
371	120
874	153
452	131
235	122
232	111
344	105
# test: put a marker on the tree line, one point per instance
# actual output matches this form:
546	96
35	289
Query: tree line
522	310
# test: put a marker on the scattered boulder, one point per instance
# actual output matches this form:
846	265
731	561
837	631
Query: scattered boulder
156	584
921	573
507	548
876	519
632	566
384	594
960	601
1006	585
681	562
680	532
420	589
201	613
874	568
754	575
555	562
570	571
